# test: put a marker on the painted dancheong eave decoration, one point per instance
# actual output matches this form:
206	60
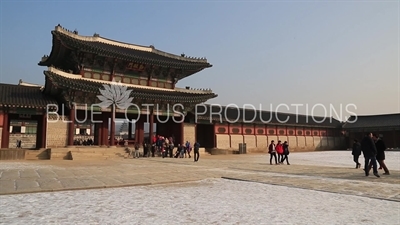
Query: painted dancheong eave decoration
60	81
80	54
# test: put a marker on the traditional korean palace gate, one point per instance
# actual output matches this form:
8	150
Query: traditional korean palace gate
79	67
90	80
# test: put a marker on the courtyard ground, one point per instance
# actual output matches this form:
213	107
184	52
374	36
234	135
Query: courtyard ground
317	187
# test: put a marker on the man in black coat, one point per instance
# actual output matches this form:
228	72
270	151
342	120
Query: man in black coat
196	148
356	153
380	156
369	150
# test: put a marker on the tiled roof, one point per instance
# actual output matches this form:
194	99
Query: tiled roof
229	114
145	93
128	52
20	96
372	121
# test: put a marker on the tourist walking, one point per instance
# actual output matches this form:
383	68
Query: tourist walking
196	147
180	150
272	152
356	152
279	151
369	150
137	150
285	153
380	156
171	147
188	148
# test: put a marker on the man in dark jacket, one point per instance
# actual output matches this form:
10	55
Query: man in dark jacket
380	156
356	152
369	150
196	148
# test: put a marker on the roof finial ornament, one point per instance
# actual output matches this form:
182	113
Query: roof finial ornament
75	31
58	25
152	46
183	54
96	35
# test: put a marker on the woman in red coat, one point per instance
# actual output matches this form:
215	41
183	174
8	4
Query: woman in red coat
279	150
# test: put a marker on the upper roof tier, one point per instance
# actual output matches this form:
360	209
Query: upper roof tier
119	50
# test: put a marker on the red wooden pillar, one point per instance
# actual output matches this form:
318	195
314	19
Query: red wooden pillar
255	133
104	132
181	130
97	133
71	128
229	133
5	136
130	129
151	122
112	127
44	130
39	129
195	133
139	129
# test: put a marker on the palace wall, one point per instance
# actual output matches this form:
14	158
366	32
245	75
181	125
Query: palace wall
1	131
189	133
57	131
258	137
259	143
223	141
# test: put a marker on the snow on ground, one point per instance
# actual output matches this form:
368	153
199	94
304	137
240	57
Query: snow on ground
339	159
204	202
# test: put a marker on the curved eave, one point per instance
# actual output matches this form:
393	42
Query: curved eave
56	45
115	52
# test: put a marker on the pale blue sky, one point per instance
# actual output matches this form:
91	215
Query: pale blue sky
303	52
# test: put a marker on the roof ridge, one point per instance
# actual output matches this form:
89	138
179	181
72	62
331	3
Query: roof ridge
282	113
375	115
96	38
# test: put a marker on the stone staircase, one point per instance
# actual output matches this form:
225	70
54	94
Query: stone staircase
98	153
60	154
87	153
41	154
203	151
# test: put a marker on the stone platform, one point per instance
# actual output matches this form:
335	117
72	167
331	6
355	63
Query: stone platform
44	176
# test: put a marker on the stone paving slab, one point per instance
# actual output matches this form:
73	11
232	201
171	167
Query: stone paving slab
37	176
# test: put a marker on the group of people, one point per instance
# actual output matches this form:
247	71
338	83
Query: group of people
282	150
373	148
165	147
85	142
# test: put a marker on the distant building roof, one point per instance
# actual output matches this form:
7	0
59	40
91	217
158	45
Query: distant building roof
373	121
21	96
213	112
29	84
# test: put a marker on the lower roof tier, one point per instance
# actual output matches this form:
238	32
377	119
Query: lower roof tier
63	80
20	96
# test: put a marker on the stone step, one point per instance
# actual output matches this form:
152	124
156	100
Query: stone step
97	154
60	153
40	154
